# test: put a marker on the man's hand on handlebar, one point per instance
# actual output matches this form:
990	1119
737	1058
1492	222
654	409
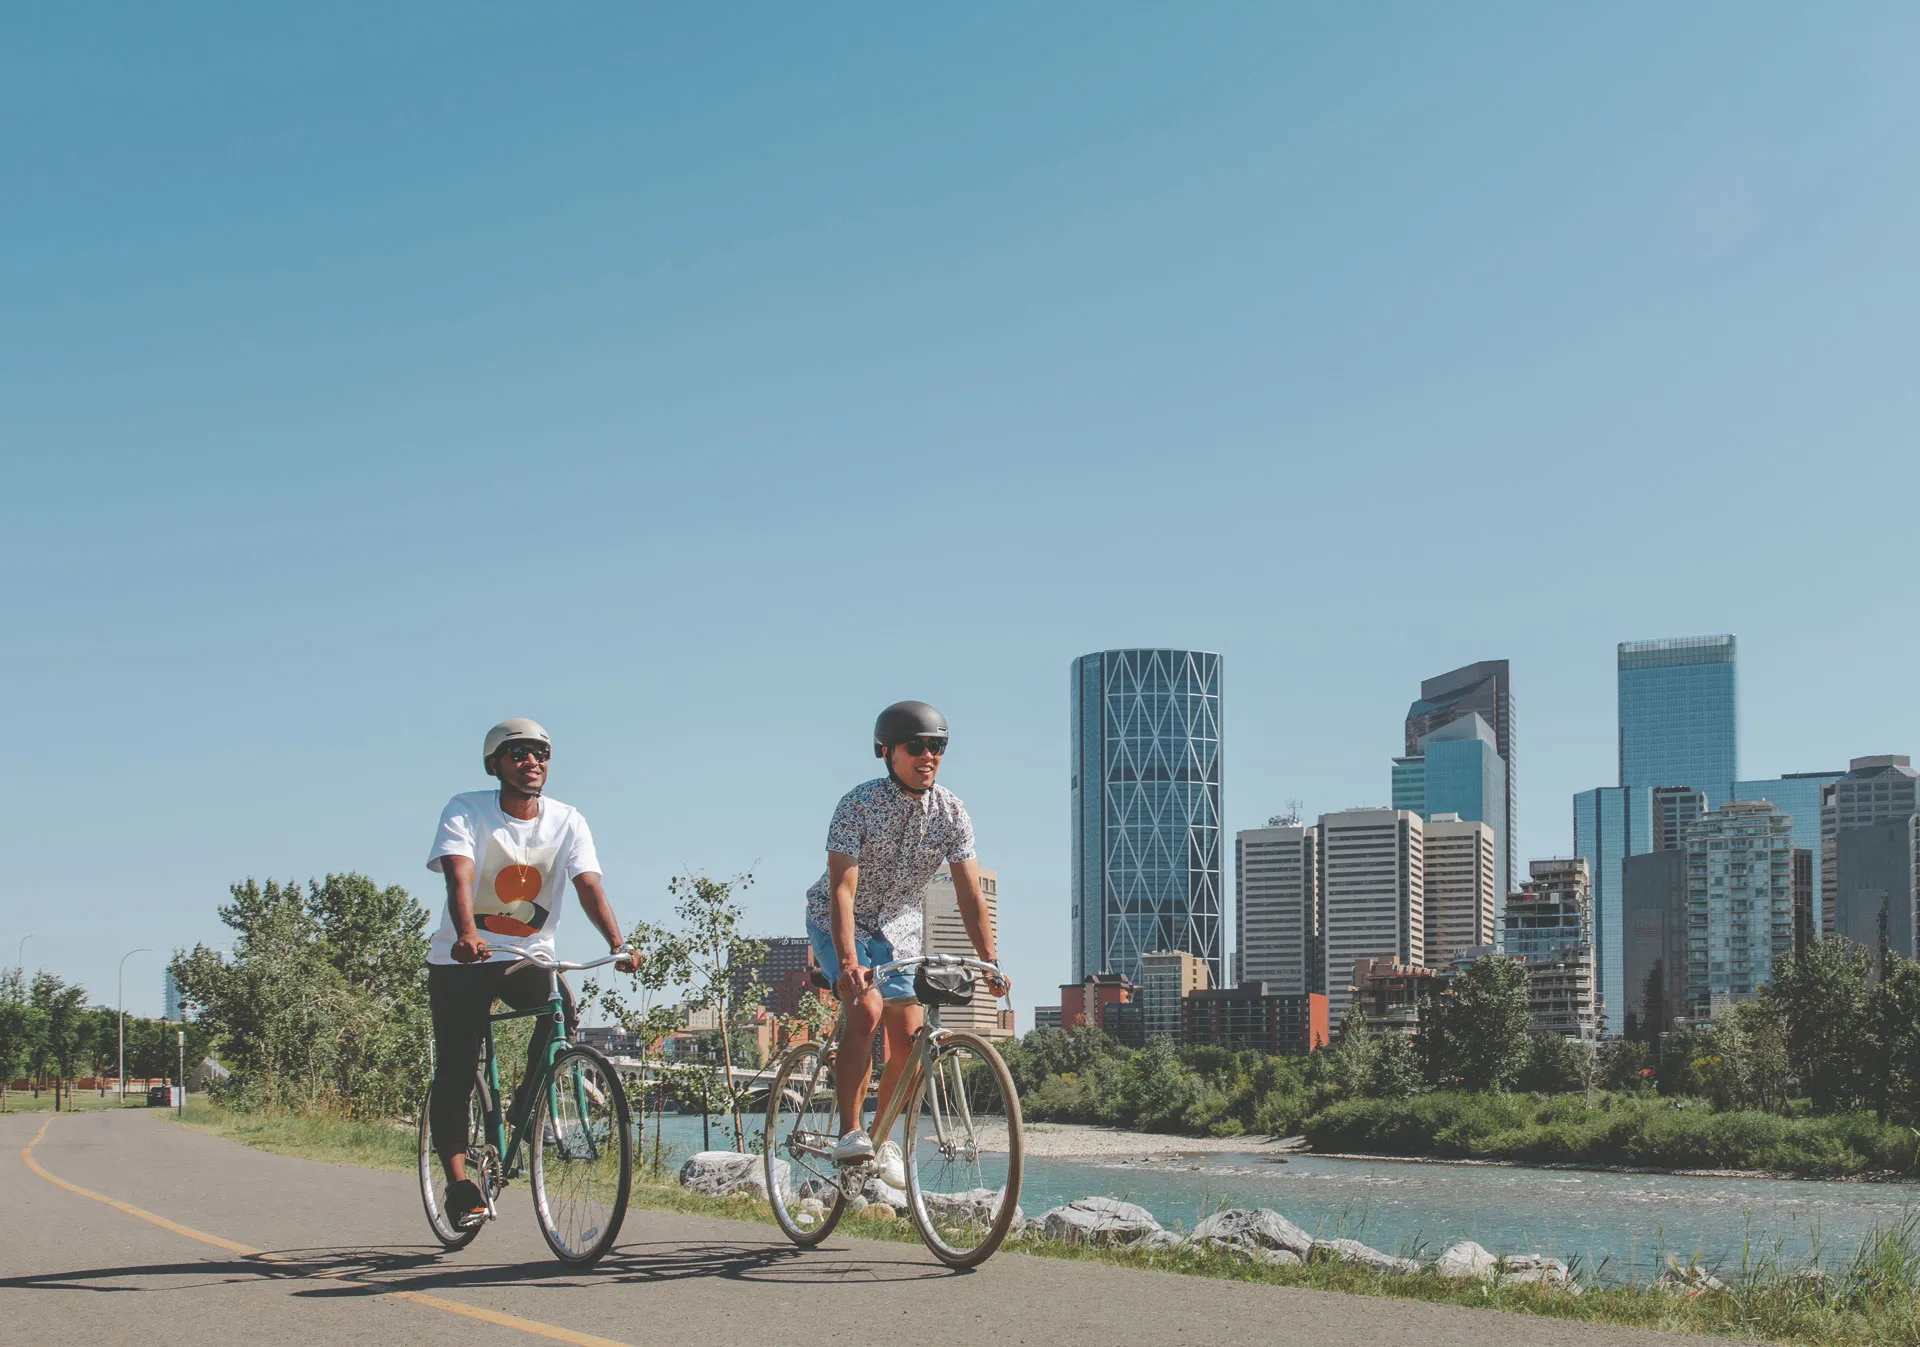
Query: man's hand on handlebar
469	948
998	984
854	980
629	960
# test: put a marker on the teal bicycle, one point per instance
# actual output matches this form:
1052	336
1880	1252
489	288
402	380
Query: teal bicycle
577	1139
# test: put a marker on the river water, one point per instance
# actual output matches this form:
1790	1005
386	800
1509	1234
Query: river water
1617	1226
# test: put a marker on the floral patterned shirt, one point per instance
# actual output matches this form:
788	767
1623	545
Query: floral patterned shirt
900	840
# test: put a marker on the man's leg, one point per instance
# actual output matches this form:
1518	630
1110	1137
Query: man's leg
459	999
855	1056
526	989
902	1020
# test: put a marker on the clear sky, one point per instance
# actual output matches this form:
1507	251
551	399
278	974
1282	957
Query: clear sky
697	381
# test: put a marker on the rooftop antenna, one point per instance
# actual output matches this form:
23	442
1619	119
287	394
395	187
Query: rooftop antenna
1290	819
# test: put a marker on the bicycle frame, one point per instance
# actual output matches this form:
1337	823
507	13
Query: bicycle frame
508	1149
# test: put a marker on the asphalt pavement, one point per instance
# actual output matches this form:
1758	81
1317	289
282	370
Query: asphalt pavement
195	1239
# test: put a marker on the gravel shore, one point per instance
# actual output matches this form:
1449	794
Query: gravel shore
1061	1141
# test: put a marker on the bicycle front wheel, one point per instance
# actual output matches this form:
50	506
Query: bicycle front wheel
964	1151
432	1176
802	1128
581	1157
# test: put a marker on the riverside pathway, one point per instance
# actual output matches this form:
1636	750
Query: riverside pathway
183	1237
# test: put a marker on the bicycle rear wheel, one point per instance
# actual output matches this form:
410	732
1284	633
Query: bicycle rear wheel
479	1168
802	1129
964	1150
581	1158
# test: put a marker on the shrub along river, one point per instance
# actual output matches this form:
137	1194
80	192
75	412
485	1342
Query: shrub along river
1613	1227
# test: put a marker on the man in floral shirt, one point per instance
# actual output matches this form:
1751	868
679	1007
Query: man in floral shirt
887	840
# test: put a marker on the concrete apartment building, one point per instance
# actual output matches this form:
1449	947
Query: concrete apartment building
1739	901
945	933
1388	992
1462	862
1254	1017
1372	893
1277	907
1549	925
1168	977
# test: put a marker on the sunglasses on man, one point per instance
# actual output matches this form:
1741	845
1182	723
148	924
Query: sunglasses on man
919	748
522	752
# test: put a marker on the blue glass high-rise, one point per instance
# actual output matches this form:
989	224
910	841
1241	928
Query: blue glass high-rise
1610	824
1458	770
1146	809
1796	794
1678	713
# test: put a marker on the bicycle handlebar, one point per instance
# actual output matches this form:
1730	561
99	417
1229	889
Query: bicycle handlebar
943	961
555	965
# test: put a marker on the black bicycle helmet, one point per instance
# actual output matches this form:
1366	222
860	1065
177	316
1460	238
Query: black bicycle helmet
906	720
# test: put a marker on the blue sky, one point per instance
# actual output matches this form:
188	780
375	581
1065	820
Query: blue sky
699	382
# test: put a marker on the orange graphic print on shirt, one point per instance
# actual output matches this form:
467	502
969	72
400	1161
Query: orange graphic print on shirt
510	885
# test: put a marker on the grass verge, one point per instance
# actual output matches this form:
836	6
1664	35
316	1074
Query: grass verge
1875	1299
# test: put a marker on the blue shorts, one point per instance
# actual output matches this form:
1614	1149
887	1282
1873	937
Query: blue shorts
871	950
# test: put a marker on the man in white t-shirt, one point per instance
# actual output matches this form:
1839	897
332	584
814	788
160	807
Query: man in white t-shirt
507	856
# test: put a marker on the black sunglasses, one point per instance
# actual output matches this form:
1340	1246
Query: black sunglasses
919	747
521	752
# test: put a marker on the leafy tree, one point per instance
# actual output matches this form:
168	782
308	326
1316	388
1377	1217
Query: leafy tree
1823	998
22	1028
305	1021
1626	1065
638	1010
1745	1064
1893	1017
1676	1074
63	1008
1480	1032
1555	1064
1395	1072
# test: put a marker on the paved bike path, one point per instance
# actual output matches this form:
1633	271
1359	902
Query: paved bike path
315	1254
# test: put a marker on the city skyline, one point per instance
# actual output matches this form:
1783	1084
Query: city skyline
754	333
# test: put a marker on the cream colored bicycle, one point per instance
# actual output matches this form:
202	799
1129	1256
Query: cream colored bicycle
958	1111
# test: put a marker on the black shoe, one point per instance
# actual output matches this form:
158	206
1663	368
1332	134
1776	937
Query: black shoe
465	1206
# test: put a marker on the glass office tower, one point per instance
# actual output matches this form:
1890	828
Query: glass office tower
1146	809
1485	689
1610	824
1677	714
1797	794
1458	770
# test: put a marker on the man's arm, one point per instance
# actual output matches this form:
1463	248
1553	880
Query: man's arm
593	902
468	947
843	878
975	917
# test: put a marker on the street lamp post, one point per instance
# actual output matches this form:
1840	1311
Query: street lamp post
20	954
123	1018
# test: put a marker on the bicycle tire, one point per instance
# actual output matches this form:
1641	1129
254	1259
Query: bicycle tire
1003	1203
431	1174
814	1093
580	1143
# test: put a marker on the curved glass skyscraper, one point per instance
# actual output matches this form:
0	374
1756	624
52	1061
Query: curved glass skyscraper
1146	809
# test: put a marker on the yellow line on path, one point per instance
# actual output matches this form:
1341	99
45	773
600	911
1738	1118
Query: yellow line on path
533	1326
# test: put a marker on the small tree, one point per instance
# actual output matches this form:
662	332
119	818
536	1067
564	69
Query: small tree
23	1028
1823	1000
716	950
1395	1071
663	965
1893	1012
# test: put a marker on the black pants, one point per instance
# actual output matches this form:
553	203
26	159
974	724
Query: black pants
461	997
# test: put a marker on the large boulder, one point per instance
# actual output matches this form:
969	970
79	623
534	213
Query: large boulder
1353	1251
1465	1259
1534	1268
724	1173
1250	1229
885	1194
983	1203
1099	1220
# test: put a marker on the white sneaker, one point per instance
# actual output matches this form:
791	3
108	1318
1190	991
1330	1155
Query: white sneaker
856	1147
890	1166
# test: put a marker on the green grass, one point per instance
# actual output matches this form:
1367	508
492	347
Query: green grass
82	1101
1643	1132
1875	1299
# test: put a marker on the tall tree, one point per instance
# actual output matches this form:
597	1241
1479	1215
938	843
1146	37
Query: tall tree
1893	1013
1481	1032
1822	996
23	1028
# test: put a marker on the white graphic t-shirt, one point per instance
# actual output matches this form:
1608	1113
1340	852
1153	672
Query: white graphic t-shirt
521	868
